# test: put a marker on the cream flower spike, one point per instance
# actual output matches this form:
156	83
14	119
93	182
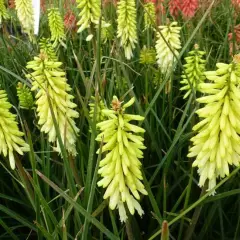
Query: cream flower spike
216	145
51	84
127	27
165	56
10	136
25	15
120	168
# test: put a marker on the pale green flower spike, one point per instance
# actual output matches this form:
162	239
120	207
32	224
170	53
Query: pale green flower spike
217	143
3	11
10	136
56	26
120	168
147	56
149	15
193	71
25	15
165	56
89	14
51	84
24	96
127	27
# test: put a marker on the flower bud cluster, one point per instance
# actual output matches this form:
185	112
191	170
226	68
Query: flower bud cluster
193	73
10	136
120	169
216	145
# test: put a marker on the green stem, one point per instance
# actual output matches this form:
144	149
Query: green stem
186	202
196	214
129	230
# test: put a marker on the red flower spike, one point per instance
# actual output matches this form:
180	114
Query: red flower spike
175	7
160	10
237	34
70	20
189	8
236	3
236	41
43	5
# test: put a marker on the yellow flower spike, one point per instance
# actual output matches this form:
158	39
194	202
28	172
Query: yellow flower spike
10	136
51	84
56	26
165	56
127	27
120	168
3	11
25	15
216	144
89	14
193	73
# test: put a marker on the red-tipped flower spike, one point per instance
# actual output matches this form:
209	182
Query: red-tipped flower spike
189	8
